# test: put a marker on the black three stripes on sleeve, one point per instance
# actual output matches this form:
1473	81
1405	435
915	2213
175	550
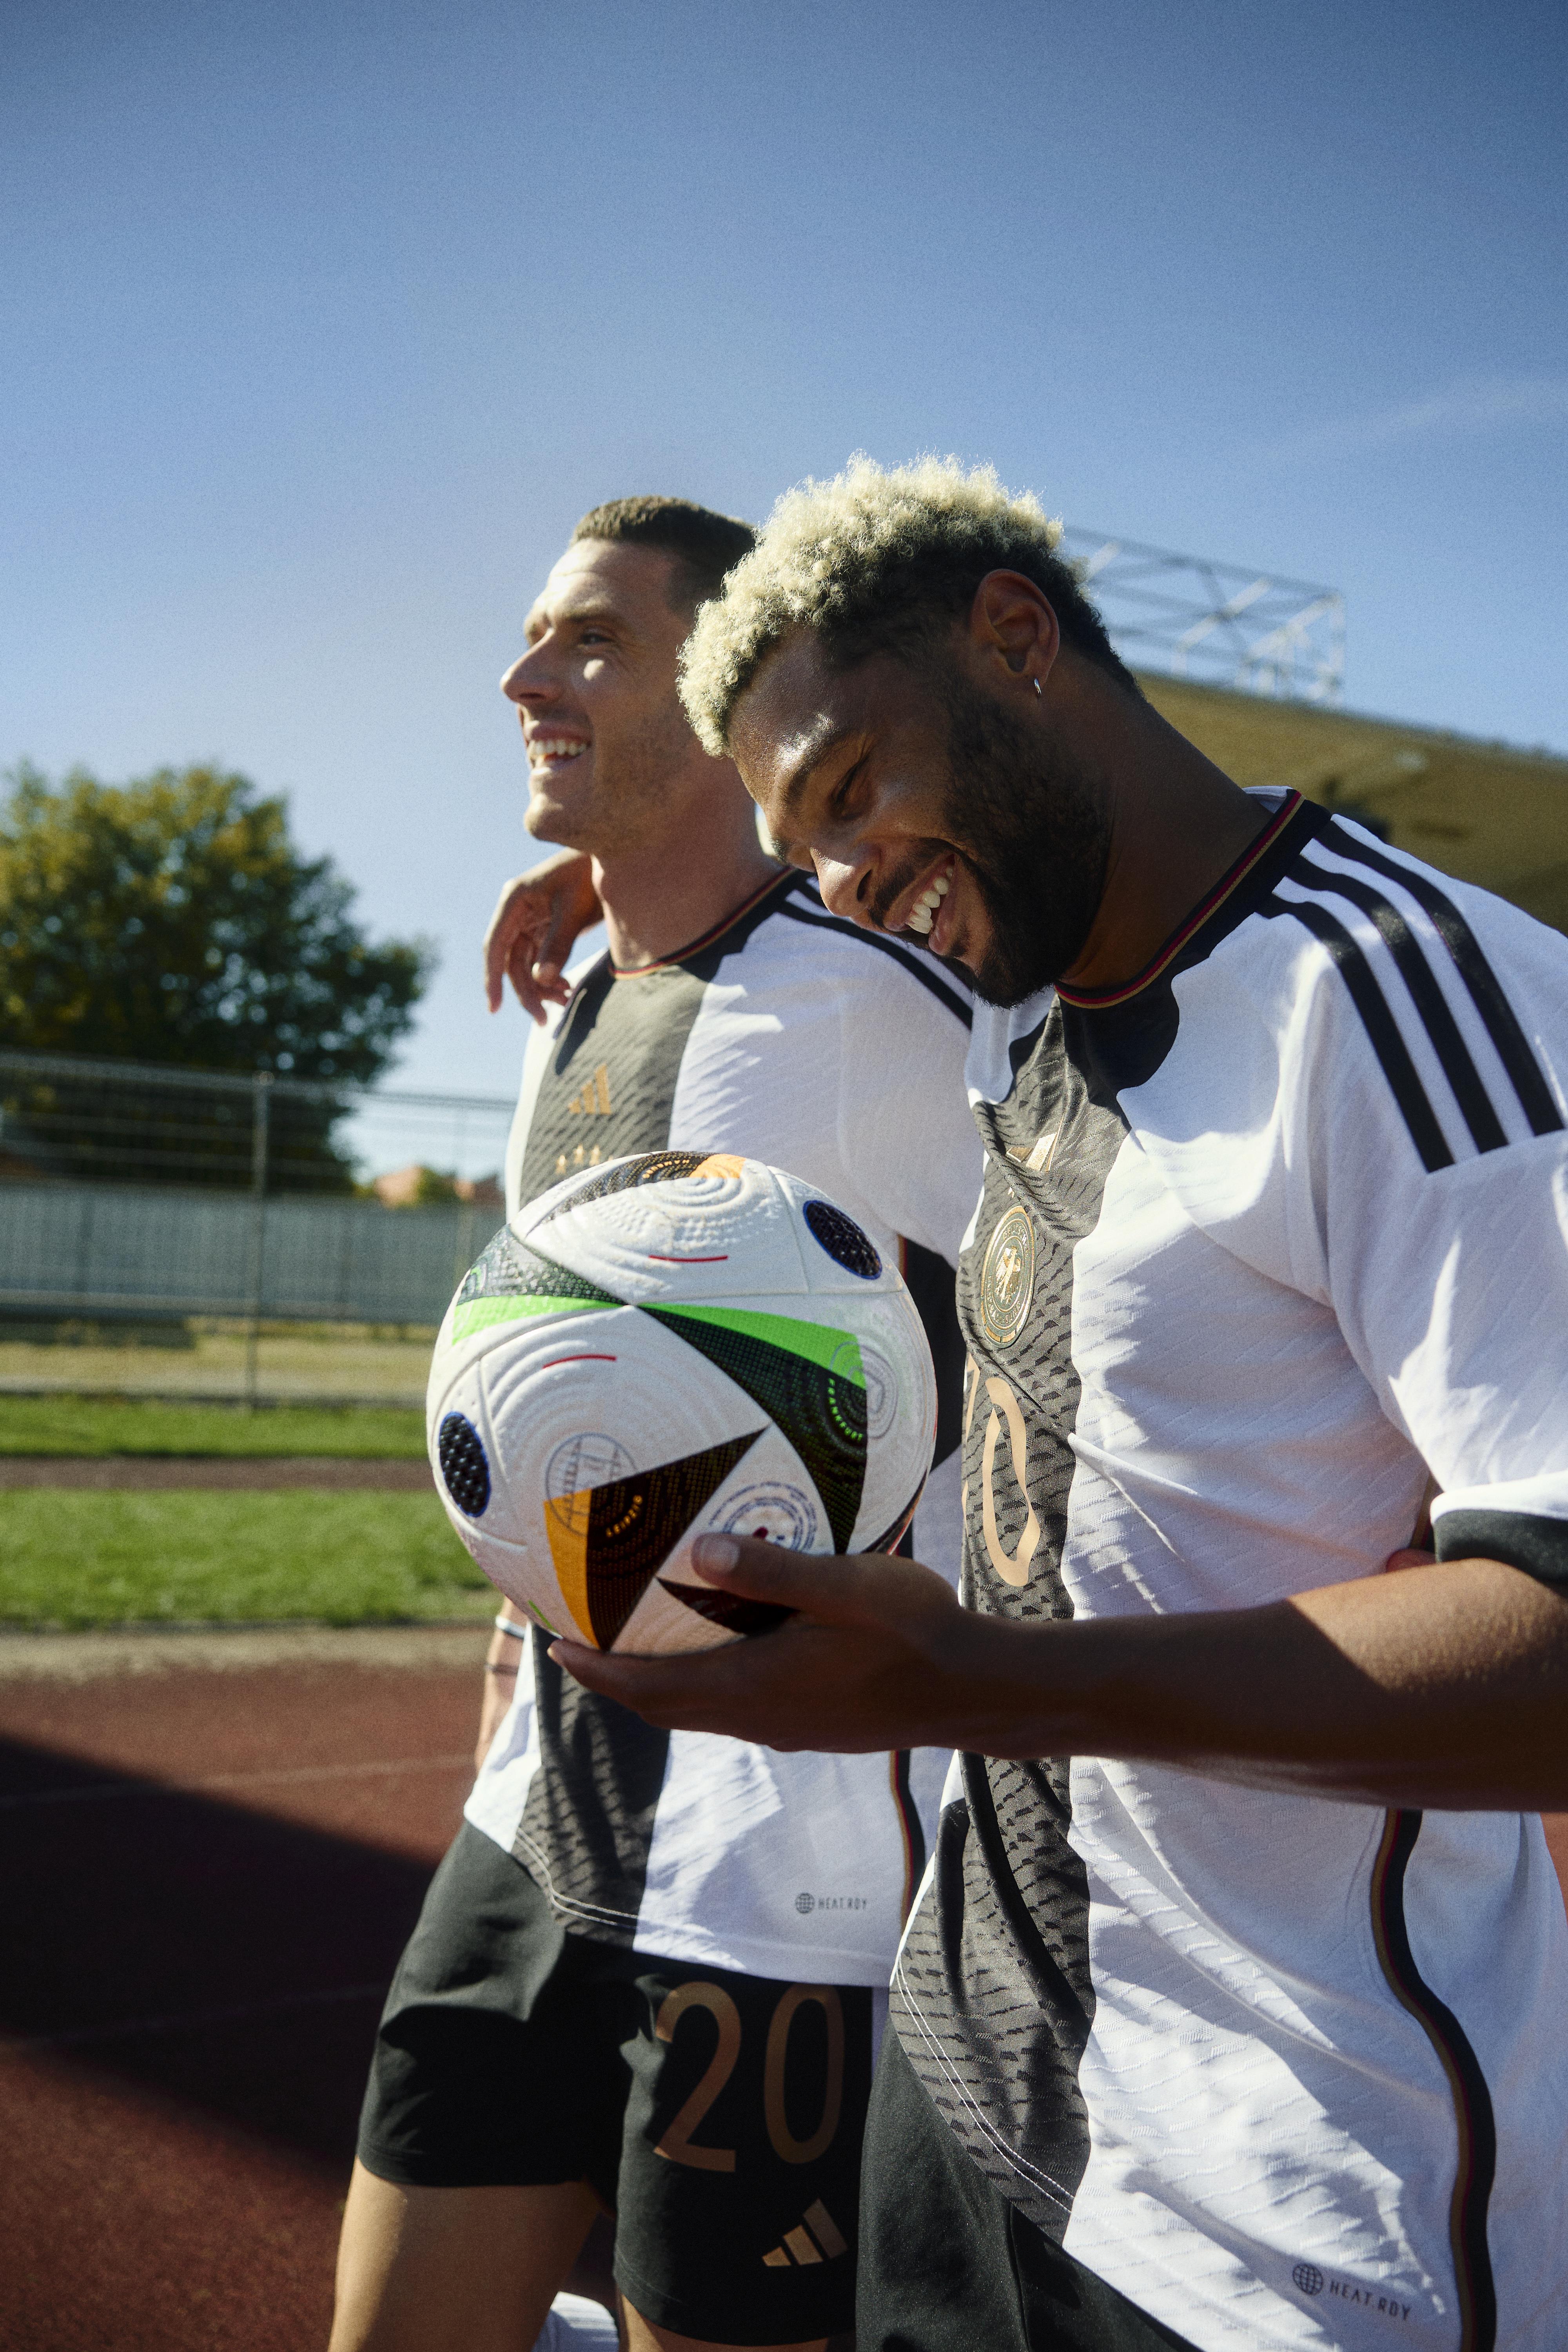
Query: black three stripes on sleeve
1440	1026
1382	1029
1458	1063
1525	1073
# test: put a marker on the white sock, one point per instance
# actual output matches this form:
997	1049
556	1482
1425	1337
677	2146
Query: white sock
576	2325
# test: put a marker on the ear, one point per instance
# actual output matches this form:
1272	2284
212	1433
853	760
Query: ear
1011	620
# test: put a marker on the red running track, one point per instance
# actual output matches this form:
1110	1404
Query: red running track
209	1869
208	1878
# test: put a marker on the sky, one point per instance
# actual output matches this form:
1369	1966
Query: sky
324	323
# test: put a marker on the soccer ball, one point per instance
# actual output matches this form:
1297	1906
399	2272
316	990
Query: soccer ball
663	1347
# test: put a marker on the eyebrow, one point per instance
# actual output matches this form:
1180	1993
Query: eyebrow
553	620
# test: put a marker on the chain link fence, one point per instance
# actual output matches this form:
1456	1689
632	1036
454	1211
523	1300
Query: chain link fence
136	1200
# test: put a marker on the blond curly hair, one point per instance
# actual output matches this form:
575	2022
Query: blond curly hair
872	561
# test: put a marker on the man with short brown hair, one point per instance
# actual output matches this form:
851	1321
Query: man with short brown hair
650	1973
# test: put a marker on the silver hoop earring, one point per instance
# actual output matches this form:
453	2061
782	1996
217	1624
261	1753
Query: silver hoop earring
1036	683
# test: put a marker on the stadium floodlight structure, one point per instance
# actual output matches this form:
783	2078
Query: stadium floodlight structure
1222	623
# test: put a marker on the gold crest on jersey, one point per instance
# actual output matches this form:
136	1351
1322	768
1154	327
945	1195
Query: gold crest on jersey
1007	1277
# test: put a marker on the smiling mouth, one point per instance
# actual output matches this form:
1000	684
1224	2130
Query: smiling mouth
925	915
554	751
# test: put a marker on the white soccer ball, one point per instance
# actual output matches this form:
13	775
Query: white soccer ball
663	1347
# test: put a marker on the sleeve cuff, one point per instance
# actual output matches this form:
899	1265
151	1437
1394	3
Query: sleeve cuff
1521	1539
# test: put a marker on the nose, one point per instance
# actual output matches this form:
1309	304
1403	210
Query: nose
526	681
843	886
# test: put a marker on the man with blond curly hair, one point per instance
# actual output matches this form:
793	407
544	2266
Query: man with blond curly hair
1231	2012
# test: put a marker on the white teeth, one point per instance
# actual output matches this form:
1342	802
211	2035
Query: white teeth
923	915
553	748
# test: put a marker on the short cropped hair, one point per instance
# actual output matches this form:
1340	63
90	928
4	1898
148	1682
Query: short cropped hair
705	545
877	561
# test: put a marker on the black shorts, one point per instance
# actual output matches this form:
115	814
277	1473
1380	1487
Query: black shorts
719	2116
948	2265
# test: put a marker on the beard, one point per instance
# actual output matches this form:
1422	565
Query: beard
1032	826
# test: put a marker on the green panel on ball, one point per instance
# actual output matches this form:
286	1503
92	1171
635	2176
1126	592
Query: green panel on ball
509	1269
480	1314
836	1350
820	1408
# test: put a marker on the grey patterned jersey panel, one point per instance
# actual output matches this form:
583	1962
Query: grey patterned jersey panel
1002	1940
588	1820
610	1084
607	1089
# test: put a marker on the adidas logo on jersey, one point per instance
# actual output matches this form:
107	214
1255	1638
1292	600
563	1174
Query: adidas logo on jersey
815	2239
592	1102
594	1099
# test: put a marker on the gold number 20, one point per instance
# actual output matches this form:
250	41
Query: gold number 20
676	2143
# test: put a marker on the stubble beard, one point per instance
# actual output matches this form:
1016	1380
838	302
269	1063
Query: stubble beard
625	807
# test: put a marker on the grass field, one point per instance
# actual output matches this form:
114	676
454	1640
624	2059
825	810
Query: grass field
108	1425
71	1560
304	1364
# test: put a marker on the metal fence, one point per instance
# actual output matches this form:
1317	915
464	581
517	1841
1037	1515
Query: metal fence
134	1192
141	1122
111	1251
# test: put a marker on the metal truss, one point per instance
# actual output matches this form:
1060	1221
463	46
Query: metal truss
1221	621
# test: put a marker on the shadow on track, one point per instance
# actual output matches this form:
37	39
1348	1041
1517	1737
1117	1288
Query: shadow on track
226	1959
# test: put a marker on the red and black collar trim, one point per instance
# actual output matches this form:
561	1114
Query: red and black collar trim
1100	1000
779	883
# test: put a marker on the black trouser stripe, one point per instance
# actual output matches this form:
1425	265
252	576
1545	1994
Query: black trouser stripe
914	1834
1379	1024
1474	2121
1424	993
1524	1071
914	960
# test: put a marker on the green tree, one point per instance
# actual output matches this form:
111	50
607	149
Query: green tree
172	919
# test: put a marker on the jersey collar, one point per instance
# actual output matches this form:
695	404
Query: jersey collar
778	885
1100	1000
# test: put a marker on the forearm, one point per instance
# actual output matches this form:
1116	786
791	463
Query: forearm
1443	1689
502	1662
1446	1687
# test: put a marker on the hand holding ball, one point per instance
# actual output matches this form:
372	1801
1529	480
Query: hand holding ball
666	1347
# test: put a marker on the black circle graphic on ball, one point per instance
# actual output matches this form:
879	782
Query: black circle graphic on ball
843	1240
461	1454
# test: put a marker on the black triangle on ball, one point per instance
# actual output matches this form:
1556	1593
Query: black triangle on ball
822	1413
731	1610
634	1524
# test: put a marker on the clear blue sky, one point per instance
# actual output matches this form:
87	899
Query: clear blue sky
323	323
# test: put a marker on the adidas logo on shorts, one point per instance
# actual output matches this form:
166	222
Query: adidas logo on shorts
814	2239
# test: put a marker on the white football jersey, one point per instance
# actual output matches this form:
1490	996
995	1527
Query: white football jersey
791	1036
1265	1237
